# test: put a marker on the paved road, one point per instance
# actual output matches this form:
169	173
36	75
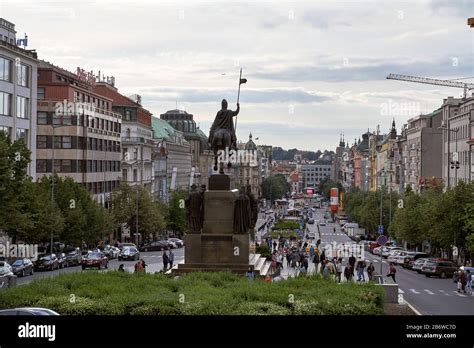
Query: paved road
430	296
152	258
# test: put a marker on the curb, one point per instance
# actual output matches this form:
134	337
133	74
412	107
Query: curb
412	308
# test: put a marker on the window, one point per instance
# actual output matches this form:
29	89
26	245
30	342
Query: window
66	166
22	134
57	142
5	65
5	130
57	166
135	175
42	118
22	109
22	75
41	166
40	93
66	142
5	99
128	115
41	141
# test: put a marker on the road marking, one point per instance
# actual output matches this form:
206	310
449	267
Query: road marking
444	292
400	291
459	294
414	291
429	292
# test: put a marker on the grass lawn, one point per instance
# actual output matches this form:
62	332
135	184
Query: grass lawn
114	293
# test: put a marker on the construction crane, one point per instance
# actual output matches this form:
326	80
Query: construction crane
426	80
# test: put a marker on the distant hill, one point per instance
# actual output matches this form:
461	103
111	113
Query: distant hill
280	154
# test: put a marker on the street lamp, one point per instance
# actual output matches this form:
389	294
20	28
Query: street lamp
455	160
382	174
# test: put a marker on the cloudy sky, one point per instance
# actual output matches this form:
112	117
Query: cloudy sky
314	68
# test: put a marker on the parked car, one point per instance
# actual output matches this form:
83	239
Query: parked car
111	252
439	268
47	262
122	245
129	253
157	245
73	257
408	260
28	311
62	260
322	223
461	269
179	242
311	221
22	267
171	244
95	259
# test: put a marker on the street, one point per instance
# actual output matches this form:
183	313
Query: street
153	259
427	295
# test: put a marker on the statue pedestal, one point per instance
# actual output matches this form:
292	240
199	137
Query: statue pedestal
217	248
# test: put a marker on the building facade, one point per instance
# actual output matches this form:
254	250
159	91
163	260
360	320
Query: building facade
78	134
458	114
136	136
18	91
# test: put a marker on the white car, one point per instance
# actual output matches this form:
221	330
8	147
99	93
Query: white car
179	242
393	255
322	223
386	252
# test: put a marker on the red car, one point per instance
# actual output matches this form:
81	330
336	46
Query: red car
95	259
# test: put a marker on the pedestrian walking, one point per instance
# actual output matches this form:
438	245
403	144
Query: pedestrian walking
288	258
138	267
250	274
325	269
275	245
392	272
463	280
165	261
311	252
348	272
338	270
316	261
352	261
171	258
469	282
370	270
360	271
121	269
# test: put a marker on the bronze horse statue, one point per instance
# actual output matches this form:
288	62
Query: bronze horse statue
222	134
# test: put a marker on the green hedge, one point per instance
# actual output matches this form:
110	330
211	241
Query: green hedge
286	225
114	293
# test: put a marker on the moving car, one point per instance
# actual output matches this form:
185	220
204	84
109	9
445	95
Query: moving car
462	269
179	242
73	257
311	221
62	260
28	311
122	245
157	245
111	252
47	262
438	268
394	254
129	253
95	259
387	250
322	223
408	260
22	267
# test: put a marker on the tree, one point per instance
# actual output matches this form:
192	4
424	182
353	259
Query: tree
326	185
176	217
275	187
124	210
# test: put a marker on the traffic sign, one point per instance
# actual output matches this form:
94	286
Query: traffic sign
382	240
381	229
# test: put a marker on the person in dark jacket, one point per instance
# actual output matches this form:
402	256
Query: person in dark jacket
348	272
352	261
165	261
322	260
